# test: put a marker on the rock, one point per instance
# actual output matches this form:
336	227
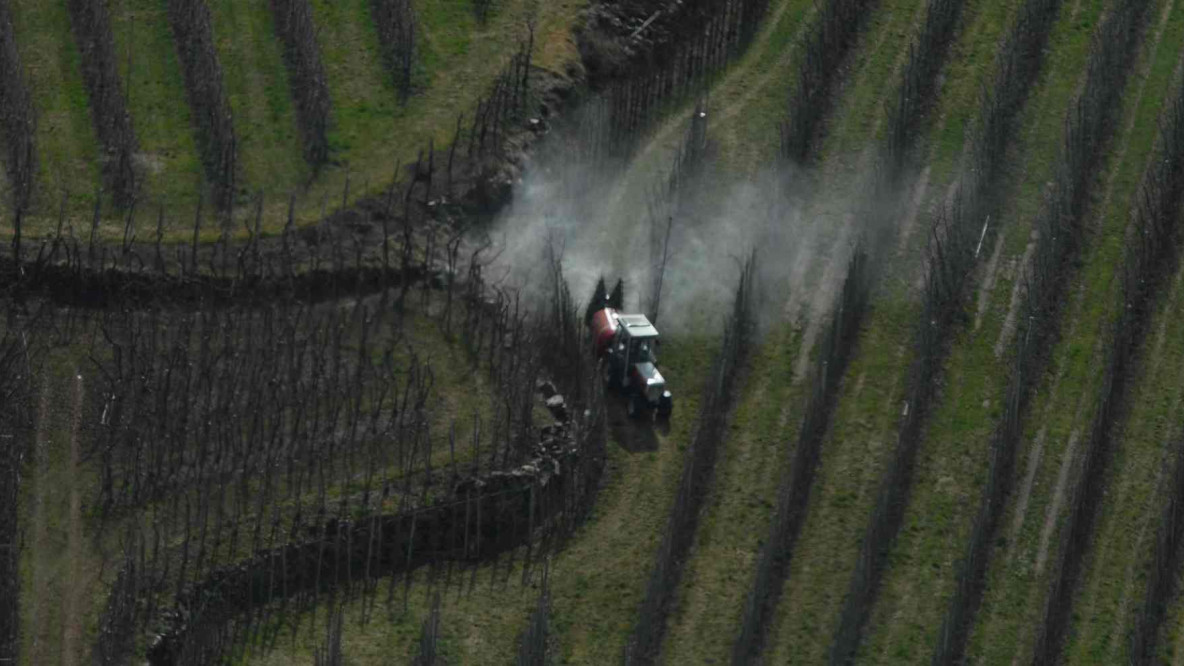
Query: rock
558	408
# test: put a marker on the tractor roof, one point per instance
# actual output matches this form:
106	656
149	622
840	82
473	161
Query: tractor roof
637	326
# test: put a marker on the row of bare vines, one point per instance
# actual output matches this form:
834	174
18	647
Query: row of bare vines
722	33
193	35
17	120
297	31
262	462
1151	257
832	34
950	258
697	476
16	436
927	55
1088	126
395	21
91	23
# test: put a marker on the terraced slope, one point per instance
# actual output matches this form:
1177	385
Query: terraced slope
370	130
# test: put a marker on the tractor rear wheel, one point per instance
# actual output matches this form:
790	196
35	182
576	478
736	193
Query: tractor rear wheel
607	374
636	406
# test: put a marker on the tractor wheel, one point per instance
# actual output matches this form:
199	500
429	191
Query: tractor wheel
665	407
636	406
607	374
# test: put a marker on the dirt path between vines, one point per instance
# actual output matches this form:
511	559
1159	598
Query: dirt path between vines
37	647
72	592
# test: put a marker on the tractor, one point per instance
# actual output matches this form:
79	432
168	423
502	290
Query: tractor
625	346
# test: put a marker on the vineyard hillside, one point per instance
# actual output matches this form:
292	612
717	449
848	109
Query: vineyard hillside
302	354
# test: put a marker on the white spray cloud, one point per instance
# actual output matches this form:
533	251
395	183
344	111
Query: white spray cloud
600	218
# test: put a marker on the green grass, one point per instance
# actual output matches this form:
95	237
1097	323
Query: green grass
365	102
728	544
865	430
371	131
1110	590
168	161
735	523
67	148
951	464
871	82
853	456
750	100
970	65
1018	576
256	82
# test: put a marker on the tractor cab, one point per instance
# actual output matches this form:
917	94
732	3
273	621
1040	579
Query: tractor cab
632	365
636	338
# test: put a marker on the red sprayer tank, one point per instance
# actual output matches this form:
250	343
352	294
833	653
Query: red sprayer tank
604	327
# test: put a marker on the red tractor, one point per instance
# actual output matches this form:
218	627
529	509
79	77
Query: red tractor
625	345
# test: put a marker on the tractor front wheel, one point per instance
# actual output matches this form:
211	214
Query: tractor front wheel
665	406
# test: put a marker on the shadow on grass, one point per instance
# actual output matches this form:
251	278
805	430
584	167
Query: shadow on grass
635	435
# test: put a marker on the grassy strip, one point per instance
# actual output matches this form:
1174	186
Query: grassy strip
1152	254
1086	135
366	102
865	100
948	263
831	363
755	96
268	151
167	162
1016	575
971	66
914	96
711	598
1112	55
109	111
852	456
698	476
